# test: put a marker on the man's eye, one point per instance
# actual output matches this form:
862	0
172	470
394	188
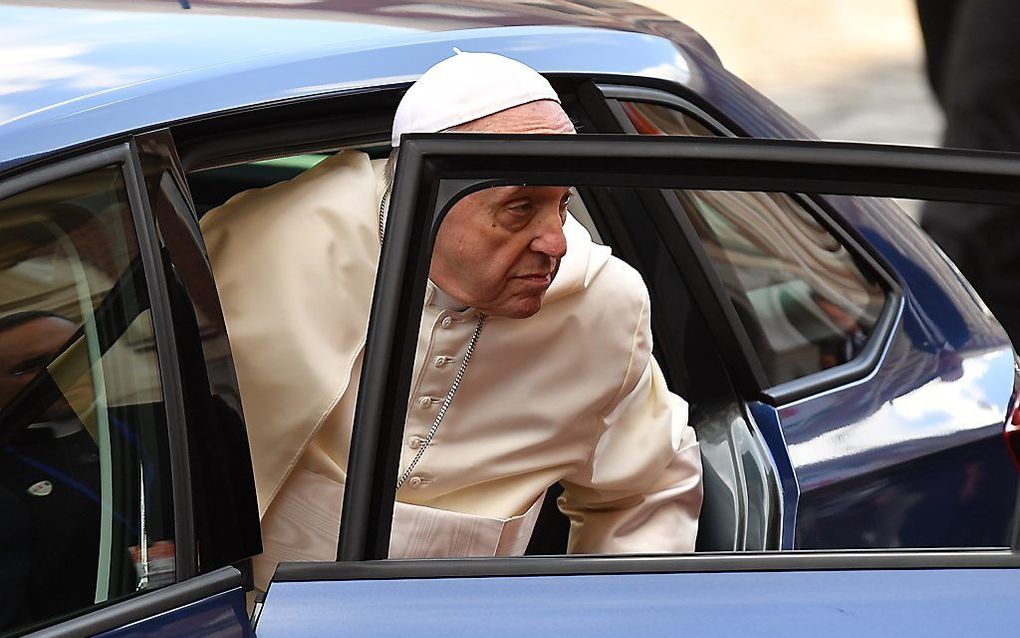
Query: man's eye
520	208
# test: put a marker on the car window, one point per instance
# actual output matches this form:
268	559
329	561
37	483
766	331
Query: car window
804	299
85	494
215	186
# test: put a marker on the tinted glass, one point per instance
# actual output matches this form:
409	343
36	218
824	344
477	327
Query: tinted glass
84	472
805	301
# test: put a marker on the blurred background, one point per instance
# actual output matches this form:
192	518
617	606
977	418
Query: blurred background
849	70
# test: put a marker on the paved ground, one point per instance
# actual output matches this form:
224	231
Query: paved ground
849	70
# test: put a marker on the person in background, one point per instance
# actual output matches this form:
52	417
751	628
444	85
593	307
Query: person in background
973	66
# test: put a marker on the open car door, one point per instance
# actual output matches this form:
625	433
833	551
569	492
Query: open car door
841	593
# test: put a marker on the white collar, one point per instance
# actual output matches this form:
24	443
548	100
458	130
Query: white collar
438	297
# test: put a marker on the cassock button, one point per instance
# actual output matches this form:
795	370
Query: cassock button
441	361
414	442
424	402
415	481
447	322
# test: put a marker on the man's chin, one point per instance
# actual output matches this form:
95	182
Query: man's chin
518	308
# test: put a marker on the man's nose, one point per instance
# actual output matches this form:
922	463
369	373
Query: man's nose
551	240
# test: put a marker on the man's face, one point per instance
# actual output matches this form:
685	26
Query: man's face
499	249
25	351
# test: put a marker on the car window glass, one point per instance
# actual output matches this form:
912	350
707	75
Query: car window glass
84	473
805	301
801	296
533	370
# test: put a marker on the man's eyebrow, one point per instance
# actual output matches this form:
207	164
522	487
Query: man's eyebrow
514	191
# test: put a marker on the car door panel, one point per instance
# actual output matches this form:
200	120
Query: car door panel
769	603
209	605
883	463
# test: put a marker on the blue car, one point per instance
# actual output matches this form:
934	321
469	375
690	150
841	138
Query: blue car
855	401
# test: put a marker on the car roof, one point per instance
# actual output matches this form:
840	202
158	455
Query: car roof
89	70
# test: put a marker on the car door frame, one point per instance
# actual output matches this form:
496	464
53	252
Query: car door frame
221	482
436	169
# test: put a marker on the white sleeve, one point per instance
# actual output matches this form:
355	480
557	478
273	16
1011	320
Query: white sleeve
641	488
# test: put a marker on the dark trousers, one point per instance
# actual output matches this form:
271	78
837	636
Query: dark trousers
973	65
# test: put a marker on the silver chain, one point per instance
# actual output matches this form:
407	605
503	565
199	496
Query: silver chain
382	214
446	402
456	380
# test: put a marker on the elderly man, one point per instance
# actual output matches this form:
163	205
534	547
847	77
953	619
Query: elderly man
534	352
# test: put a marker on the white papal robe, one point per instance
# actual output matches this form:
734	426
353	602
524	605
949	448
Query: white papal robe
571	394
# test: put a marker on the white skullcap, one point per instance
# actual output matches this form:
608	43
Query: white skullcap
465	87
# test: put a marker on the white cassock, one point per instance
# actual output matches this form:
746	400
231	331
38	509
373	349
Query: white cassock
571	394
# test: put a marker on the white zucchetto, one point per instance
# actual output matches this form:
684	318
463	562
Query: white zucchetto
465	87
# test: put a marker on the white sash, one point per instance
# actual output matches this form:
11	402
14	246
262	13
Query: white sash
303	525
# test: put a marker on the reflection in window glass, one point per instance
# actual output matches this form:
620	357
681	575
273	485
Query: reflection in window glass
651	119
84	473
805	302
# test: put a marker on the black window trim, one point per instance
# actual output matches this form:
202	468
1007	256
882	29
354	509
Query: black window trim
437	169
158	148
632	93
277	130
124	156
871	356
186	559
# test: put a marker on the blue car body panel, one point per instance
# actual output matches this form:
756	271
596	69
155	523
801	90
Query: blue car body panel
766	420
222	615
871	456
377	62
922	603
